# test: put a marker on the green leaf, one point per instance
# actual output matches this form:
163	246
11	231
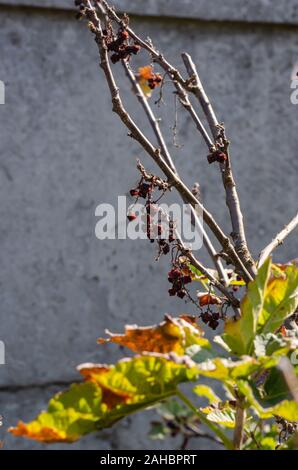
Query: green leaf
269	344
206	392
227	370
159	431
287	409
225	417
109	394
239	334
281	300
200	354
275	388
70	415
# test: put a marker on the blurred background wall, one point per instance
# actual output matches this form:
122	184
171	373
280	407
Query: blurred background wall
63	152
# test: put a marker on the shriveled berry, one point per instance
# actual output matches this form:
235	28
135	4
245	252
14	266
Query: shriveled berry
115	58
123	35
166	249
213	324
181	293
131	216
221	157
187	279
144	189
134	192
217	156
206	317
133	49
172	291
174	274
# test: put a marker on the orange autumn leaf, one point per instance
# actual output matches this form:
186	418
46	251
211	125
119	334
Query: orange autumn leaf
37	433
208	299
146	72
172	335
148	80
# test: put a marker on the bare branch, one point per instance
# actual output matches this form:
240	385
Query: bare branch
278	240
185	101
199	91
232	198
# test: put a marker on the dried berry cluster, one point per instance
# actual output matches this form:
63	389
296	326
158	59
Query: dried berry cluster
178	280
120	45
217	156
143	190
154	81
209	318
154	217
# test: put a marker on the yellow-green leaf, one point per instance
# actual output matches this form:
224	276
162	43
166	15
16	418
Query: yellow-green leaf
281	300
108	394
226	370
239	334
206	392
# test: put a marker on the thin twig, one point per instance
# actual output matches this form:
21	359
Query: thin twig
278	240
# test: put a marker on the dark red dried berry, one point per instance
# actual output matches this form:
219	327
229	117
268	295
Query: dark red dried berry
123	35
174	274
215	315
221	157
172	292
187	279
166	249
181	294
213	324
159	230
115	58
217	156
206	317
134	192
145	189
131	216
132	49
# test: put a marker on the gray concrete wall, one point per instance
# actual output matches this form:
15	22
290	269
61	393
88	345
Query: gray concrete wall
63	153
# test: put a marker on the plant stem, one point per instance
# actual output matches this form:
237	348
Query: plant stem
226	441
239	426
